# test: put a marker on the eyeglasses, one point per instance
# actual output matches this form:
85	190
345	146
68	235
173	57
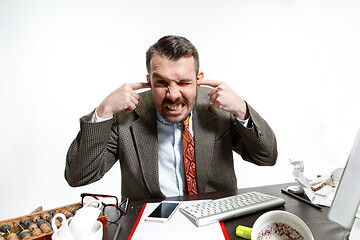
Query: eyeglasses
110	205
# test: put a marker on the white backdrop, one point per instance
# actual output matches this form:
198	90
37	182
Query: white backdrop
296	62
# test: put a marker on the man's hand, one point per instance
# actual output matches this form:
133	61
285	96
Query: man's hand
122	99
223	97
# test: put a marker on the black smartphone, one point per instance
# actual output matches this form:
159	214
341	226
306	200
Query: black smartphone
163	212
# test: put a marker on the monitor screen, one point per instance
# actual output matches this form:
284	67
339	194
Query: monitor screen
347	197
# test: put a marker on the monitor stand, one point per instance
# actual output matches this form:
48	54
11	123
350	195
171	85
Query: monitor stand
355	230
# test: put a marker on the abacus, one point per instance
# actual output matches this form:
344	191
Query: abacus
37	226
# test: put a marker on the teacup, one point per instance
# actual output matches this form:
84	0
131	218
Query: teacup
273	224
62	233
84	220
96	232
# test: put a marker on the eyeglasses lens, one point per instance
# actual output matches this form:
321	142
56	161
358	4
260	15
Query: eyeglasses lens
113	214
88	199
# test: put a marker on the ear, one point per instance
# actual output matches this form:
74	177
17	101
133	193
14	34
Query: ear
200	76
148	79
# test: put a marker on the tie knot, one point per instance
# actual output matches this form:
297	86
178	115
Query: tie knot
186	121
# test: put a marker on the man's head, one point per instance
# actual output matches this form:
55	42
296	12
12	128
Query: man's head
173	69
172	48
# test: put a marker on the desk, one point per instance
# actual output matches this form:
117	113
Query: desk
317	221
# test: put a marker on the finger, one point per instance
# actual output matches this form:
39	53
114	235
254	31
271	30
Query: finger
126	92
213	91
211	83
135	100
213	98
130	103
139	85
135	95
130	108
216	104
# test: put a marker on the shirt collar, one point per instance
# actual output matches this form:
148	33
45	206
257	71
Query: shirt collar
166	122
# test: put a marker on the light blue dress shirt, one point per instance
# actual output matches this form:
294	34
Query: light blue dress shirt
170	152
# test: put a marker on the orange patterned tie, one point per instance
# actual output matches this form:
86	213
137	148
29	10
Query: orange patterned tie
189	159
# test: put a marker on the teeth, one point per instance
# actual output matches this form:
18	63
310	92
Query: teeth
174	107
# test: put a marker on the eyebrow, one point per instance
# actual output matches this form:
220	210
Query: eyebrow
156	75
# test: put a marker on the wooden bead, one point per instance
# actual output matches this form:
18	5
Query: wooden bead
5	227
45	228
27	222
66	212
36	232
32	227
57	223
25	234
23	219
52	212
40	222
45	215
73	209
49	220
35	218
12	236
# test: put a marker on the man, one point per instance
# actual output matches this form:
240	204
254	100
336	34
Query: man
144	130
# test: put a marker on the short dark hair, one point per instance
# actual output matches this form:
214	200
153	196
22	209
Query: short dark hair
173	48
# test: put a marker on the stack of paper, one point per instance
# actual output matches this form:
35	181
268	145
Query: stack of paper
178	227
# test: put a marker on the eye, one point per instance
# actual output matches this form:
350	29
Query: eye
185	83
161	83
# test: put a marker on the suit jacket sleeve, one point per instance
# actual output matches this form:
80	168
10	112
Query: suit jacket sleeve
257	142
92	153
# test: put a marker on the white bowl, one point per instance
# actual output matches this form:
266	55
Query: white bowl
277	216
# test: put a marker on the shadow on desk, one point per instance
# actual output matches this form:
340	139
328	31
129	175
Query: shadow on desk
316	219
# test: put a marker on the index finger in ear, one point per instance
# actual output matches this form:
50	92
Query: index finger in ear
139	85
210	83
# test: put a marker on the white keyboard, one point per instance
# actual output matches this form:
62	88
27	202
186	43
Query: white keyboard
230	207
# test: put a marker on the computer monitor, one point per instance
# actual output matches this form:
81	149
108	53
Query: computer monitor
347	198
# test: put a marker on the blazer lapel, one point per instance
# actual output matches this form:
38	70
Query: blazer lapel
144	131
205	124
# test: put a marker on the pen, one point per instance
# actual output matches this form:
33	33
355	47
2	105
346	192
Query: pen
117	232
301	199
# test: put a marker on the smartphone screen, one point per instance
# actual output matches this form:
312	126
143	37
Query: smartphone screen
163	212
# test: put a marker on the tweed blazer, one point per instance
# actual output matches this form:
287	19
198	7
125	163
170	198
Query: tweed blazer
131	138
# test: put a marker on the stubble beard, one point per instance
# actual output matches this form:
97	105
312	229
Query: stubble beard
189	104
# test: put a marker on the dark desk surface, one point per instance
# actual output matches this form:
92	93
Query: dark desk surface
317	221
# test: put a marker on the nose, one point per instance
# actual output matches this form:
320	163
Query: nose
173	92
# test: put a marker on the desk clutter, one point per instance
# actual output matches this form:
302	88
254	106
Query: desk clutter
38	225
320	191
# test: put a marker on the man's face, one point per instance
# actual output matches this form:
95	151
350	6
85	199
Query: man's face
173	84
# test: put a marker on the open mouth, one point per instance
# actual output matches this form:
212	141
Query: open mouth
176	108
